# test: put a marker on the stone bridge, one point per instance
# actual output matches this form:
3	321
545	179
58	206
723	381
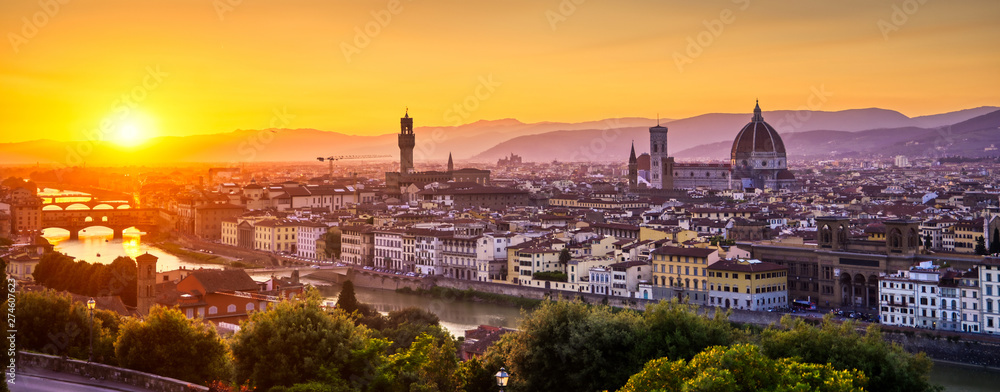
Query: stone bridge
144	219
86	205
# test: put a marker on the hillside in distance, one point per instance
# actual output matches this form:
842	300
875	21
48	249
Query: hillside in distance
969	138
708	136
272	145
701	137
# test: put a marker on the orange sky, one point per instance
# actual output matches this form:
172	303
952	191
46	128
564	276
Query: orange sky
207	66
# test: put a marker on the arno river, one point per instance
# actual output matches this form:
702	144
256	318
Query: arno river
96	246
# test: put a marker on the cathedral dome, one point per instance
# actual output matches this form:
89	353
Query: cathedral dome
757	138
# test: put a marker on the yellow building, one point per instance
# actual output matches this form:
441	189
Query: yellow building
966	233
682	273
275	235
747	284
523	262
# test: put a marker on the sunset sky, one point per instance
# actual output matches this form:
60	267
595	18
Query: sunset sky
209	66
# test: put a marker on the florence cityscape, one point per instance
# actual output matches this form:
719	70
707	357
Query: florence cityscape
556	195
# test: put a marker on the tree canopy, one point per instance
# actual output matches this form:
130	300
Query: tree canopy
886	365
60	272
51	323
741	368
296	342
169	344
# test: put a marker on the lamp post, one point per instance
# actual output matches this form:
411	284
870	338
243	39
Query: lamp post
91	304
502	378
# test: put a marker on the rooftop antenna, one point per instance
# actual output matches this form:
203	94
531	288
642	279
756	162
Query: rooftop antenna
657	119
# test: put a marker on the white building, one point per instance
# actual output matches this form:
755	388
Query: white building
389	249
989	279
427	250
902	161
897	301
307	235
972	313
491	254
600	280
911	298
626	277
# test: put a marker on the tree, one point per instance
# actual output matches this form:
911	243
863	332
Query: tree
52	323
171	345
565	256
981	246
573	346
429	364
296	342
60	272
995	242
677	331
347	301
402	327
331	243
886	365
739	368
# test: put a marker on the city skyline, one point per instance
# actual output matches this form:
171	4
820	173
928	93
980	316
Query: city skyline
214	67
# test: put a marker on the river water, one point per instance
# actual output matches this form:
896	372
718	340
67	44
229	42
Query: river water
96	245
456	316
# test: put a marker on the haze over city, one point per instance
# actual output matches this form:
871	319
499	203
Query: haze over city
219	66
456	196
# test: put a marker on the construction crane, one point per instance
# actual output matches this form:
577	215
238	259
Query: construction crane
333	158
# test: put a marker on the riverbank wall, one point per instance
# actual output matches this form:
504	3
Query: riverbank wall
103	372
972	349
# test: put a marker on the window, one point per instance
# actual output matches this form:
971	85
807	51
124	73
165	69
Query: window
213	310
231	308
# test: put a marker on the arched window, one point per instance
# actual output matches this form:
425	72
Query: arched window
249	306
213	310
231	308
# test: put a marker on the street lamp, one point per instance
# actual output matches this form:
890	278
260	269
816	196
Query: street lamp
91	304
502	378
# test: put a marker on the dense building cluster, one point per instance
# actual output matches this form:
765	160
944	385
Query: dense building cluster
863	234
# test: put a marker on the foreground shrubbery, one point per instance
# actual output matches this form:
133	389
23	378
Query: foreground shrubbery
298	345
574	346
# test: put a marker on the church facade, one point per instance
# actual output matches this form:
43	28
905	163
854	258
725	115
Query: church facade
757	160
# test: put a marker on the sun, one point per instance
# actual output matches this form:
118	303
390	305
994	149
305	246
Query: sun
133	131
129	135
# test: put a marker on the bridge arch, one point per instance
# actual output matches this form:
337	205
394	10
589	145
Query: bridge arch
124	207
103	206
52	208
77	207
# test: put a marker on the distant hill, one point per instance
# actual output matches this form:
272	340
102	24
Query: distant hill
965	138
707	136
